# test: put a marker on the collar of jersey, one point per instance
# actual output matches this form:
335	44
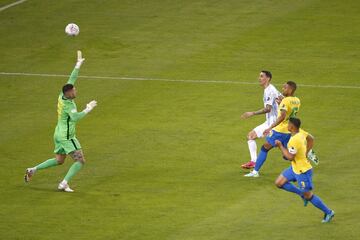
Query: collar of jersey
64	98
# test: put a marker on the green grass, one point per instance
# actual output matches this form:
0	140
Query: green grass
163	158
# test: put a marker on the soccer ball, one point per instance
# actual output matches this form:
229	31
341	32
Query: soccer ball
72	29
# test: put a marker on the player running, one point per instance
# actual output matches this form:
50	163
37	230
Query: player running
271	95
289	107
65	139
300	171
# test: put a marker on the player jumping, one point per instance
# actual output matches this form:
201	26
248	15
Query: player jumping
300	171
289	107
271	95
65	139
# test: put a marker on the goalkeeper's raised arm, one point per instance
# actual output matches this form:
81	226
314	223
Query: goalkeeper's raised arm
75	72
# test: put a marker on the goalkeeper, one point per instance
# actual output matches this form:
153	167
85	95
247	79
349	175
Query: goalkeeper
65	139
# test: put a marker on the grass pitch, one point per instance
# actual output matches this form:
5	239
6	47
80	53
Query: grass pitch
163	158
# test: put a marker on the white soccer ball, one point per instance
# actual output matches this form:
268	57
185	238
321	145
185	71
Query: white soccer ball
72	29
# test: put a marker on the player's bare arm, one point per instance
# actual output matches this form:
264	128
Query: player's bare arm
284	151
279	99
309	143
264	110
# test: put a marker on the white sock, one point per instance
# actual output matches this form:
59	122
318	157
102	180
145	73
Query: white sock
33	169
253	150
64	182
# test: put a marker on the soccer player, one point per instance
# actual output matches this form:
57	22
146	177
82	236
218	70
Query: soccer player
65	139
271	95
289	107
300	171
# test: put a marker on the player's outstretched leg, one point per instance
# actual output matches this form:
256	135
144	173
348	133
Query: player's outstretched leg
58	160
317	202
79	159
260	160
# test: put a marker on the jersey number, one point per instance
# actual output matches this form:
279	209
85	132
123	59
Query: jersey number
294	111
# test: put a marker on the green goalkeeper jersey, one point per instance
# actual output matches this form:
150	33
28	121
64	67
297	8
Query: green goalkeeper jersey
67	114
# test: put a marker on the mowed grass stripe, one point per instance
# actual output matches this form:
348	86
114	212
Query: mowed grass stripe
172	80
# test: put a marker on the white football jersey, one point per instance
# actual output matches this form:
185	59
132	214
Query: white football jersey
270	95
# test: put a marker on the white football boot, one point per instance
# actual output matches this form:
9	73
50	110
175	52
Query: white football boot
29	173
253	173
64	186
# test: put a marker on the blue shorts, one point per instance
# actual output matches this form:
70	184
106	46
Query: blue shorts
304	180
282	137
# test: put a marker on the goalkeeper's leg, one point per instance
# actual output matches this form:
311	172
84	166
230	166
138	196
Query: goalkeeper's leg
79	159
58	160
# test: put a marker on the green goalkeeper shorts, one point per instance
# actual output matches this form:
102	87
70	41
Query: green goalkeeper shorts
66	146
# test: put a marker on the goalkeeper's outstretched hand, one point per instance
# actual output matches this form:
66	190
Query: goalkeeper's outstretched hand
90	106
80	59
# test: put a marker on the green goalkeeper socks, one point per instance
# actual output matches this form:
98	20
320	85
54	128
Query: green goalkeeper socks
73	170
52	162
48	163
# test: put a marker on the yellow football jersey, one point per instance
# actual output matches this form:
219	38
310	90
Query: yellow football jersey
291	105
297	146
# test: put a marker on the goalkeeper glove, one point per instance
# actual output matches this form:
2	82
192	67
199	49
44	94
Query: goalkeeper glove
90	106
80	59
312	157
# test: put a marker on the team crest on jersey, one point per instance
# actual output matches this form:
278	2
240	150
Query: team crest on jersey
303	184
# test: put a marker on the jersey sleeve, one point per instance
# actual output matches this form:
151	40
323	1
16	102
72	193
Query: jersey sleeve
305	133
73	113
293	146
284	105
270	99
73	76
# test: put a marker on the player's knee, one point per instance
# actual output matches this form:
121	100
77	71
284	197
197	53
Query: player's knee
251	136
78	156
266	147
81	160
308	195
60	161
279	183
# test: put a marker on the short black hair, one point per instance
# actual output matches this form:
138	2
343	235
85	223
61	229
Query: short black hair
67	87
292	85
296	122
267	73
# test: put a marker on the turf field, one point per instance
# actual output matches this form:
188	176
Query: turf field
163	156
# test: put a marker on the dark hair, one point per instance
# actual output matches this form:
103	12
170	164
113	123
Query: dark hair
67	87
267	73
296	122
292	85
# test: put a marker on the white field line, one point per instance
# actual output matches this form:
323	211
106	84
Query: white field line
171	80
11	5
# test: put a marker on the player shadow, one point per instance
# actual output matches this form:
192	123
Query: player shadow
38	188
41	189
47	189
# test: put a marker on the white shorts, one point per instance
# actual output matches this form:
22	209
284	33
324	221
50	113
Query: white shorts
259	130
